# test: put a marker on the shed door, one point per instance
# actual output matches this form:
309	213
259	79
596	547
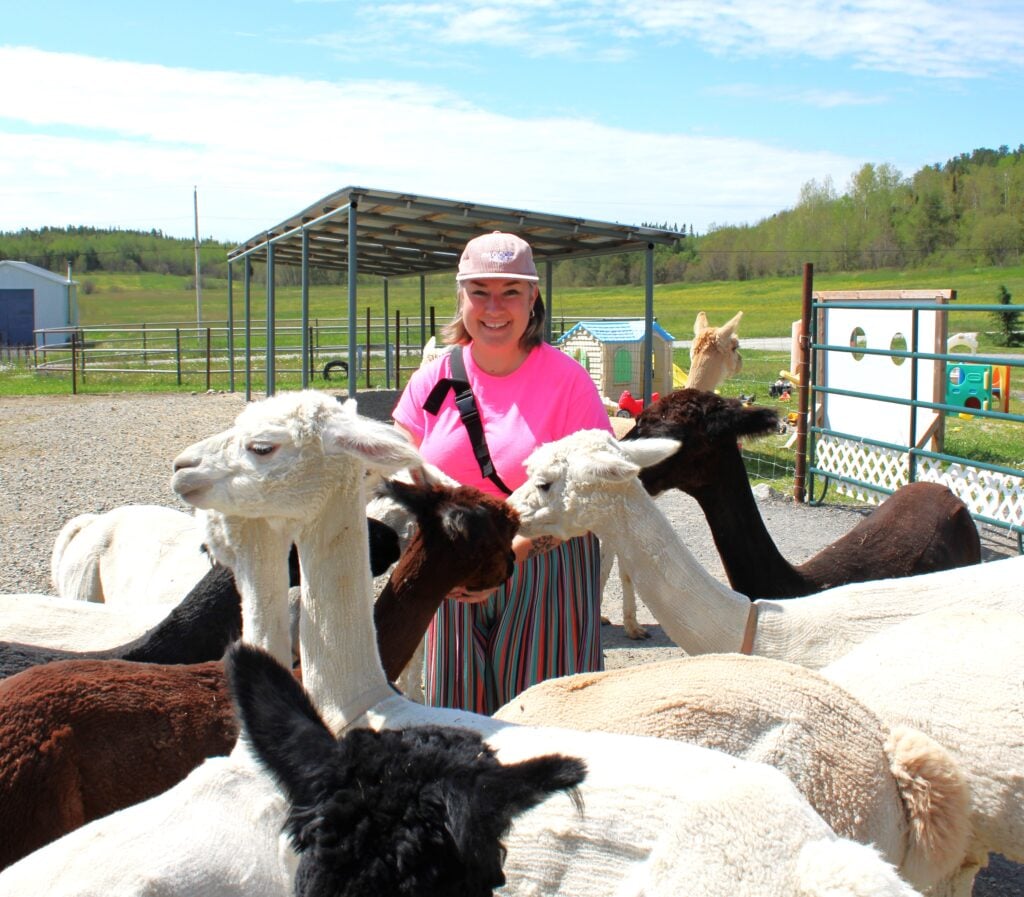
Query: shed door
17	319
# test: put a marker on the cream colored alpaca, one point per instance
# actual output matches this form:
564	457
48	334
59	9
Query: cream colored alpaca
714	358
898	789
588	482
52	622
714	353
959	676
678	819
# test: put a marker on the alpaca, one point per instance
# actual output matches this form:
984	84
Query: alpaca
714	357
589	482
82	738
133	553
419	811
463	537
920	528
196	630
714	352
870	789
957	676
679	819
52	622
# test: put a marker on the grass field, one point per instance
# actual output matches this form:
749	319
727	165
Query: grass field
769	306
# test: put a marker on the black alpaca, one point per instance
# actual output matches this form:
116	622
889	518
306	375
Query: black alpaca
418	811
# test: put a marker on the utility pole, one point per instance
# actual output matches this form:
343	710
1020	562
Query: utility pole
199	284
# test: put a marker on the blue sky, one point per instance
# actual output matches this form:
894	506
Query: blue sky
691	113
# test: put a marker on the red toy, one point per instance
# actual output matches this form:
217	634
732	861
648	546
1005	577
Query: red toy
632	407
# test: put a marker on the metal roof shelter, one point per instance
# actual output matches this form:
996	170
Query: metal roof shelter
367	231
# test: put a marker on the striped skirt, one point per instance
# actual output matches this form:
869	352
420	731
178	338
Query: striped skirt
545	621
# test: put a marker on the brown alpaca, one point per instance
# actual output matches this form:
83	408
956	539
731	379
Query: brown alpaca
920	528
463	537
82	738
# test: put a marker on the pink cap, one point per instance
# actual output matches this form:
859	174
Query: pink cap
497	255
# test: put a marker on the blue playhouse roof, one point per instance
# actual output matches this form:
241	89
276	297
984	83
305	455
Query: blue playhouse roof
616	331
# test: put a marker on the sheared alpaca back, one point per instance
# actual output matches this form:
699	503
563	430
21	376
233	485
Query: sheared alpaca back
132	554
863	780
957	675
52	622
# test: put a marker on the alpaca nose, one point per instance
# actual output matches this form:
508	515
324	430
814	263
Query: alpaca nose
184	461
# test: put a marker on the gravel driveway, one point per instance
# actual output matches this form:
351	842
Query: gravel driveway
65	455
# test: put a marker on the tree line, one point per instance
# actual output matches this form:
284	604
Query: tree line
968	210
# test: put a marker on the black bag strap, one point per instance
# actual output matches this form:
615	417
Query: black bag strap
466	403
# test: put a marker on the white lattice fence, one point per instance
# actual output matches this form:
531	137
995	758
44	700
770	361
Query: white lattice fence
986	493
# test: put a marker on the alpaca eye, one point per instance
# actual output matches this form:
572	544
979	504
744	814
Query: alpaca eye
262	448
544	487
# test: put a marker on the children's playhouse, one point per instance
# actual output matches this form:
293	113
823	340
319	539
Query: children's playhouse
612	351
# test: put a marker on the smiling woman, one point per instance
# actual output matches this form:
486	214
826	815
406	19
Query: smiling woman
484	648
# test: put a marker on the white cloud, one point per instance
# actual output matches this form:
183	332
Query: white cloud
928	38
260	148
816	97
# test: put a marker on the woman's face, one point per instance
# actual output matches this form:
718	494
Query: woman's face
496	312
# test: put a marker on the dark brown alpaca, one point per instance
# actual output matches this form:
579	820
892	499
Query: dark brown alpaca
82	738
920	528
463	538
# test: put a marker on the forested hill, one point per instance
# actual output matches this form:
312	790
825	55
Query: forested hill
969	210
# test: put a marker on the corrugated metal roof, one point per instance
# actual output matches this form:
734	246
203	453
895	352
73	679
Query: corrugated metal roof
35	270
630	331
403	234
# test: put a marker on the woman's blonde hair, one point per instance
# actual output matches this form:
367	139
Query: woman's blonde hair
454	333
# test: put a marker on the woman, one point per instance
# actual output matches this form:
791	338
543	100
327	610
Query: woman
485	648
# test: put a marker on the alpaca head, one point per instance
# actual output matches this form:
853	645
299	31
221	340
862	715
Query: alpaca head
714	352
473	531
415	811
578	484
286	456
708	426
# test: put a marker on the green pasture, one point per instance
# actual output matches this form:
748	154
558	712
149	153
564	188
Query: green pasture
769	305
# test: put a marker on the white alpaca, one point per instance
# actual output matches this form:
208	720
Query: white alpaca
678	819
52	622
898	789
959	676
588	482
714	358
134	554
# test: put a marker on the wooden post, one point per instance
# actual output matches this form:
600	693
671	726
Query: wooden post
74	364
803	378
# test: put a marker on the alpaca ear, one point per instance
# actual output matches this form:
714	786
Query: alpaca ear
508	790
378	445
700	324
728	330
650	451
277	717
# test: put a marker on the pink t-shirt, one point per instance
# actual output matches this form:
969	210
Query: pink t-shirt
548	396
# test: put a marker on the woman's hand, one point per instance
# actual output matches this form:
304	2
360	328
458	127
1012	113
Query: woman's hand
461	594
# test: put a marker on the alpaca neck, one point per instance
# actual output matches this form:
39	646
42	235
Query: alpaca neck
341	669
750	557
696	611
408	602
703	374
260	566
